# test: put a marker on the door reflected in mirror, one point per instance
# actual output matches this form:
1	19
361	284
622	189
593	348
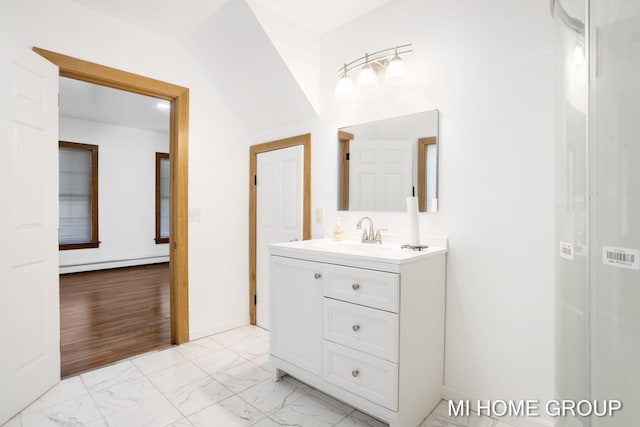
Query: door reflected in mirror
383	162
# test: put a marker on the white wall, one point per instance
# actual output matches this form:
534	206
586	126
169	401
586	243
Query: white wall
236	53
126	195
488	67
218	153
298	47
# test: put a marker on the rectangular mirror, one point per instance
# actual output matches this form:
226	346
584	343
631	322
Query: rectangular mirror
383	162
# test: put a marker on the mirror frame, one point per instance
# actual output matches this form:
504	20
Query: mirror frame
344	139
422	171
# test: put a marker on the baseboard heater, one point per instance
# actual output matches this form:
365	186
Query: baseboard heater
105	265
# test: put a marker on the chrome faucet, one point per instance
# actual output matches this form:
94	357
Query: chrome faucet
371	236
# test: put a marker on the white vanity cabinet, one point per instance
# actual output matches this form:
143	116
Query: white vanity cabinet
363	325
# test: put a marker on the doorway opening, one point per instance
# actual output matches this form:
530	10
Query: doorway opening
113	225
178	97
254	151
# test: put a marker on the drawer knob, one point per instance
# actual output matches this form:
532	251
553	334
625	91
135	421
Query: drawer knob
355	373
355	327
317	275
355	286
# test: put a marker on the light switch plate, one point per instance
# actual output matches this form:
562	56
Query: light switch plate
194	214
319	215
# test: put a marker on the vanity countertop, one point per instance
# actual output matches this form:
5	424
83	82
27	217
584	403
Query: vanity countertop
387	256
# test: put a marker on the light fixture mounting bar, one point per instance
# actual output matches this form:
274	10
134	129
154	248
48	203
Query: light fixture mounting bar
375	57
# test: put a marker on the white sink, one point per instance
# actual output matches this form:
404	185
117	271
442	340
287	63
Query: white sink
332	250
353	246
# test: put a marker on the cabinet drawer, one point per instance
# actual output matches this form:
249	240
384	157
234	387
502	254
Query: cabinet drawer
362	328
367	376
371	288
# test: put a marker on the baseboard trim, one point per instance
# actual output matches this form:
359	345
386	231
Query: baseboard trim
106	265
449	393
194	334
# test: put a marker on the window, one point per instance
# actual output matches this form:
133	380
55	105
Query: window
78	196
162	198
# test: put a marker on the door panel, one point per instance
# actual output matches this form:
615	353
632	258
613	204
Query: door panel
29	307
278	213
297	317
380	175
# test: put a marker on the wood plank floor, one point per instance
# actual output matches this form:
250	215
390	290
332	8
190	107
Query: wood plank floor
109	315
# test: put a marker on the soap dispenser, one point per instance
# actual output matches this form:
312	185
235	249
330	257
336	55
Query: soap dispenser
338	231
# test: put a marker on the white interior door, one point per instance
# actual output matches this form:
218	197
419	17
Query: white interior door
29	296
380	175
278	213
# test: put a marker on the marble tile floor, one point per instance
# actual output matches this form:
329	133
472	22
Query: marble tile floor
221	381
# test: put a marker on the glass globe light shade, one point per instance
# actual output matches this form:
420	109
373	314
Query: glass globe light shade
344	87
367	76
395	70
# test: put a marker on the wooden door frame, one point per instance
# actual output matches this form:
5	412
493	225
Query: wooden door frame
344	139
422	170
179	148
254	150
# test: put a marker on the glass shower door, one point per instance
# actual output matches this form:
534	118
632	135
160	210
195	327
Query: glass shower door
614	144
598	206
572	302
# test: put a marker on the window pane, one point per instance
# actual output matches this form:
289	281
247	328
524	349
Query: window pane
75	196
164	197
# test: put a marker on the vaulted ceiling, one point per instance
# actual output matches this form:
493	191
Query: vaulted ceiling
180	18
263	56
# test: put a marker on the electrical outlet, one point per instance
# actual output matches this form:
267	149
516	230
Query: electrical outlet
194	214
319	215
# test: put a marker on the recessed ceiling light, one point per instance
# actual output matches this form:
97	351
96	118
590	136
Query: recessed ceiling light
164	105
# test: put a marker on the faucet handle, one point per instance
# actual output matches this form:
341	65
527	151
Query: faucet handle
378	237
365	236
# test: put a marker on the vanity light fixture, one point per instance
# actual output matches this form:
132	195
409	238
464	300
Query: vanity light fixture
385	62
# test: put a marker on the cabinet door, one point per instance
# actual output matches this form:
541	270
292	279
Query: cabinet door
296	319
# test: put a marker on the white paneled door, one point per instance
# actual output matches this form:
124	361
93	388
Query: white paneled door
29	300
380	175
278	213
